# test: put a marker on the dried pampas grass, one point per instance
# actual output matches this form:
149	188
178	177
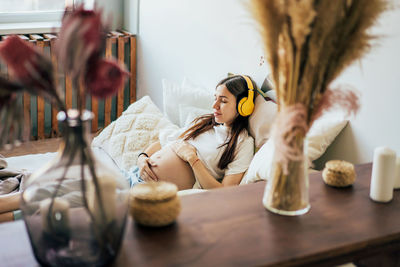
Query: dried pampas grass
308	43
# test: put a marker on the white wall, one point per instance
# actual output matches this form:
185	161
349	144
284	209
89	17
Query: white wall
200	39
205	39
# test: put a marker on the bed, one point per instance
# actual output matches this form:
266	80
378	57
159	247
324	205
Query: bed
143	122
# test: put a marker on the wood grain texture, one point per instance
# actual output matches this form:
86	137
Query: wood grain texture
118	39
55	132
132	81
40	101
107	101
230	227
68	91
95	110
27	113
121	59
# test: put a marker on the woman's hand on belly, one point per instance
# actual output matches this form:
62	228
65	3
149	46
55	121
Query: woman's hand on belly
185	151
146	173
170	167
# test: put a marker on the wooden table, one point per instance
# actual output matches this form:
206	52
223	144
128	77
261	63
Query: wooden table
230	227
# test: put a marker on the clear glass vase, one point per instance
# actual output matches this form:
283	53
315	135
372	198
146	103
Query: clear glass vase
286	193
75	208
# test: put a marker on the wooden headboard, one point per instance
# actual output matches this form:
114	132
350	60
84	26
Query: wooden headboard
42	117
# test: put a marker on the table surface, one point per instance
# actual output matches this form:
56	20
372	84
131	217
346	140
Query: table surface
230	227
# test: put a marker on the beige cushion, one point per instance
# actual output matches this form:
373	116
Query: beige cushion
319	137
261	120
132	132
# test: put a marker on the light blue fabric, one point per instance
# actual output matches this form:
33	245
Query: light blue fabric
133	176
17	215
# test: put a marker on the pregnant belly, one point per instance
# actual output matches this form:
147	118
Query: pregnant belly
171	168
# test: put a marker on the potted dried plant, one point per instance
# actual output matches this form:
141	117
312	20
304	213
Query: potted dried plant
308	43
75	207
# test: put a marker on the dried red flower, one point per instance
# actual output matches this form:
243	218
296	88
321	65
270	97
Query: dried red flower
29	67
5	99
81	39
105	77
8	91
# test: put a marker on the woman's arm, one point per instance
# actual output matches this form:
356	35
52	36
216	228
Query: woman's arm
207	181
9	202
189	154
145	163
6	217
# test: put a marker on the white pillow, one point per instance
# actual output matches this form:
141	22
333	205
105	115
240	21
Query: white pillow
261	120
260	165
132	132
319	137
323	132
188	113
174	95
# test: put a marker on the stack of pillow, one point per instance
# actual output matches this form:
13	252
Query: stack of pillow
143	123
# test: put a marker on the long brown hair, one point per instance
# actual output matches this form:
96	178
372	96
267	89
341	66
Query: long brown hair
238	87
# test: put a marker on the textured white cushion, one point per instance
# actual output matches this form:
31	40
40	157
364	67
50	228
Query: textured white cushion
319	137
175	95
132	132
261	120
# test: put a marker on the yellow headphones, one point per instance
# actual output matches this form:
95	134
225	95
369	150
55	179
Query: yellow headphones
246	104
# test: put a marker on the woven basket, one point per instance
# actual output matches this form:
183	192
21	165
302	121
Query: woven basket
339	173
155	203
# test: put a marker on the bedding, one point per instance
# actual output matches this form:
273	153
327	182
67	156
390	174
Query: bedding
11	180
321	134
194	101
143	123
137	127
175	95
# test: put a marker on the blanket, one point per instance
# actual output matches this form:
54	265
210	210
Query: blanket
11	180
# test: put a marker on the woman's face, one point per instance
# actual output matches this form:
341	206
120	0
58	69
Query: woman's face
224	106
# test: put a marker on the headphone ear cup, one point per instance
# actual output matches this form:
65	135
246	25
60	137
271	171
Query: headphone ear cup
245	108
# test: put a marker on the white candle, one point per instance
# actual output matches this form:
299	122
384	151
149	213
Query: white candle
107	187
383	172
58	223
397	174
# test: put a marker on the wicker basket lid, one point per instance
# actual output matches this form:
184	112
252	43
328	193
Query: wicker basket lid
154	191
340	166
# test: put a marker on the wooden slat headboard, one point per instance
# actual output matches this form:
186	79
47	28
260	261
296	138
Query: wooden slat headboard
42	117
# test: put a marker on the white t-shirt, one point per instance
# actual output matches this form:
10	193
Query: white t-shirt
209	152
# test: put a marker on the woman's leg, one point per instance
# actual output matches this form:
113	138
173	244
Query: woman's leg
9	202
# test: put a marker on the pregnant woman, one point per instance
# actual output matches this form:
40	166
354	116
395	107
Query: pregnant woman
215	151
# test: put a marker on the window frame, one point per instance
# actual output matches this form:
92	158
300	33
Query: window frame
27	22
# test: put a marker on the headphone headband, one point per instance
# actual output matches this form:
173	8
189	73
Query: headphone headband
248	81
246	104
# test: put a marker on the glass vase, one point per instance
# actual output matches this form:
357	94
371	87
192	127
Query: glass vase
286	192
75	208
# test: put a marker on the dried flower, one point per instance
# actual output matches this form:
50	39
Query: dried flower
8	87
301	14
105	78
289	124
32	69
11	120
308	44
5	99
345	98
79	50
81	39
